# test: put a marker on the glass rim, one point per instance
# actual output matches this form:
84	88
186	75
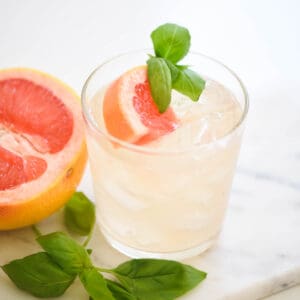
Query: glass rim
150	150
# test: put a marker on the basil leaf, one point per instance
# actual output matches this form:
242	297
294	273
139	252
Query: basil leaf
66	252
150	279
173	69
79	214
118	291
38	275
159	76
171	41
188	83
95	285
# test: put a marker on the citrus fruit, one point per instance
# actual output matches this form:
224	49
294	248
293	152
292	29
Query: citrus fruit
42	146
129	111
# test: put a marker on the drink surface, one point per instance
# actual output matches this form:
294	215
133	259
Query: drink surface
215	114
169	202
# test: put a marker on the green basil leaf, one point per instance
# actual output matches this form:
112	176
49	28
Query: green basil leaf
118	291
159	76
150	279
188	83
66	252
95	285
173	69
182	67
38	275
79	214
171	41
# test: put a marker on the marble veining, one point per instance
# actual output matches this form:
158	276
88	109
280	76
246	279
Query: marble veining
267	176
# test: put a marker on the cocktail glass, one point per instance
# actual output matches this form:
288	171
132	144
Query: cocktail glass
153	202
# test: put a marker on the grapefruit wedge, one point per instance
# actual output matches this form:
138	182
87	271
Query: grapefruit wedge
130	113
42	146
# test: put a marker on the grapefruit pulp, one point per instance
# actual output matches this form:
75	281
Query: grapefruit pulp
129	111
42	146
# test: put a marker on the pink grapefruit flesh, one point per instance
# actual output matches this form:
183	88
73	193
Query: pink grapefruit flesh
42	146
130	113
18	170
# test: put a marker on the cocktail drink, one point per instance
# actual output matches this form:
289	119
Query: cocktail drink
164	195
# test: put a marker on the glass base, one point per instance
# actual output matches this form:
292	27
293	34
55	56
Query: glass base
178	255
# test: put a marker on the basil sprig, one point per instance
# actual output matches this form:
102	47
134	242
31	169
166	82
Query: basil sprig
158	73
38	275
171	43
50	273
157	279
80	214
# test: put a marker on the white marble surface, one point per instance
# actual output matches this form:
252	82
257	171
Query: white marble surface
258	252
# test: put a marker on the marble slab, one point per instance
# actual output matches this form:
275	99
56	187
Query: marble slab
258	250
257	253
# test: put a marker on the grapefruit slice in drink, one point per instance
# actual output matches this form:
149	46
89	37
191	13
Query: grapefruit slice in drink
42	146
130	113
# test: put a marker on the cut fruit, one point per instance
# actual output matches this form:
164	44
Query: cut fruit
42	146
130	113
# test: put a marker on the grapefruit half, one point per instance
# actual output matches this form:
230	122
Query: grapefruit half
42	146
130	113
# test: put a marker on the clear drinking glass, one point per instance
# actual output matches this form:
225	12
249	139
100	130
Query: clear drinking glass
162	203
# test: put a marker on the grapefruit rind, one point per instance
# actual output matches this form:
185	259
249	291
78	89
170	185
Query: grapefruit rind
37	199
30	211
121	119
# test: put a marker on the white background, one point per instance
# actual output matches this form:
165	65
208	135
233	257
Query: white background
260	40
